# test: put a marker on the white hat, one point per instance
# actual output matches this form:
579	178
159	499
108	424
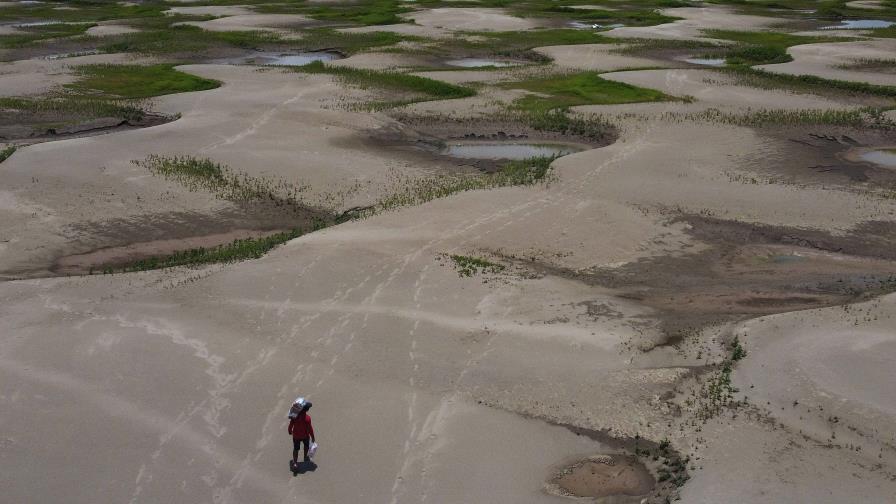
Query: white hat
300	401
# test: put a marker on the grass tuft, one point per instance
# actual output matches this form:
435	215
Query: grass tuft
8	151
416	88
201	174
468	266
137	81
238	250
584	88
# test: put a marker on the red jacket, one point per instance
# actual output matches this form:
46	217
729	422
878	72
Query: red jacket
300	427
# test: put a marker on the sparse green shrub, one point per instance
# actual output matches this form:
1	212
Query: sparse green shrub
6	152
238	250
200	174
468	266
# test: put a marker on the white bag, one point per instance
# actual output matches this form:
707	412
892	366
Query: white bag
312	450
296	407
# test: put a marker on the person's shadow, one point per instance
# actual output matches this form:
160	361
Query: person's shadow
303	467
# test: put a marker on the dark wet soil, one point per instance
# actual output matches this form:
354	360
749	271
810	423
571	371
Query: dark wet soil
605	476
425	137
37	130
113	243
748	270
820	156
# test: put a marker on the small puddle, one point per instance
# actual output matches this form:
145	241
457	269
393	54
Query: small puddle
860	24
882	157
38	23
479	63
513	151
706	61
593	26
283	59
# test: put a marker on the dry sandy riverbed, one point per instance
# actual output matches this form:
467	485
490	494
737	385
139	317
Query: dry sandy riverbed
583	367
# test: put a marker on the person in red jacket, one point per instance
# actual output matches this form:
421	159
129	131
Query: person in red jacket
301	430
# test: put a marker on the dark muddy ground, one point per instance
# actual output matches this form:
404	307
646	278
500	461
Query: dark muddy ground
46	127
820	155
422	138
114	243
748	270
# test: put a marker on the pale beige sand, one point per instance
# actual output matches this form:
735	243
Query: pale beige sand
592	7
415	30
712	90
40	75
865	4
427	386
471	19
110	29
211	10
821	373
244	124
694	19
250	22
822	59
599	57
377	61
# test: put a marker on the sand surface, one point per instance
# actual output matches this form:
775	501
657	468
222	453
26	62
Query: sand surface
211	10
250	22
110	29
823	60
41	75
471	19
582	367
693	20
598	57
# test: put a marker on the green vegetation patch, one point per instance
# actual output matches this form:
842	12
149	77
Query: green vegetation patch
411	191
585	88
358	12
201	174
519	44
238	250
137	81
628	17
33	34
468	266
870	65
348	43
43	113
81	11
889	32
420	88
7	151
865	117
764	79
185	39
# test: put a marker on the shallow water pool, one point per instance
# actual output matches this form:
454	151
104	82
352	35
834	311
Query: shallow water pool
860	24
706	61
507	150
284	59
593	26
882	157
478	63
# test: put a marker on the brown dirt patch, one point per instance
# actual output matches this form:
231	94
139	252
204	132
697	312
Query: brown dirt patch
605	476
423	137
117	242
748	270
